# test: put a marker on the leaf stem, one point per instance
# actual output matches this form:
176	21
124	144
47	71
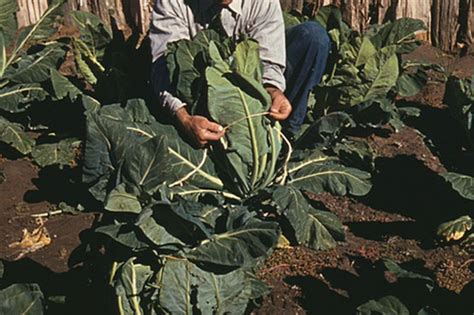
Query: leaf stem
245	118
194	171
288	157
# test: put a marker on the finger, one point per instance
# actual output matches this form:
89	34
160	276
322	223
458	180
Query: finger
216	128
212	136
278	116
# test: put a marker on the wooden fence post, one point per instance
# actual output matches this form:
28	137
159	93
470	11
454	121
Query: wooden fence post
445	27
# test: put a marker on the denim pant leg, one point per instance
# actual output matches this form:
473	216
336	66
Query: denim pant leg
307	48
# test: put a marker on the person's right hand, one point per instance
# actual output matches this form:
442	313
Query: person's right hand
199	128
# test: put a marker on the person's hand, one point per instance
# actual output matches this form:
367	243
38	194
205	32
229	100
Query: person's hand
199	128
281	107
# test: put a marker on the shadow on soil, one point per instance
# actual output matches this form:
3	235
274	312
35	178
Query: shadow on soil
444	136
404	185
349	290
56	185
81	290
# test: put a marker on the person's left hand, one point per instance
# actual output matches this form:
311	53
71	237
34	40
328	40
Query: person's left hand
281	107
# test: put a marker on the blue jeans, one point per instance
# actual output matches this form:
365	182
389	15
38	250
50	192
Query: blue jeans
307	48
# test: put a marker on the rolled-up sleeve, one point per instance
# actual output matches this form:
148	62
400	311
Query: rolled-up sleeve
167	26
268	29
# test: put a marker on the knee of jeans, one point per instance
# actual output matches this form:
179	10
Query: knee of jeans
314	34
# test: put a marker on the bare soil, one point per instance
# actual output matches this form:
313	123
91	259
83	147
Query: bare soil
396	220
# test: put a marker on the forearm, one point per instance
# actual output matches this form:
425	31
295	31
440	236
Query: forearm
160	80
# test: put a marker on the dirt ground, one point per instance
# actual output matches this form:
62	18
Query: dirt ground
396	220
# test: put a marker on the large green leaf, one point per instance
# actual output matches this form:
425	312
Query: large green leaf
239	102
459	97
389	305
400	33
178	280
319	173
157	234
16	98
171	160
313	228
93	33
40	31
14	135
241	246
63	87
8	24
463	184
187	60
123	234
25	299
35	68
130	283
381	71
62	153
121	201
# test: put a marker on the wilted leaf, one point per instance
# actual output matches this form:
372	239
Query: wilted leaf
31	242
456	229
24	299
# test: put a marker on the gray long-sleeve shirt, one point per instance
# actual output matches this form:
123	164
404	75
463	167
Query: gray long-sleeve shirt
261	20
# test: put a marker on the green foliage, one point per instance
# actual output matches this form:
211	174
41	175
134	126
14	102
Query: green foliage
460	99
365	72
13	134
201	213
22	299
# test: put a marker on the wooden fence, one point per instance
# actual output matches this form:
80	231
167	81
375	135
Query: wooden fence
449	22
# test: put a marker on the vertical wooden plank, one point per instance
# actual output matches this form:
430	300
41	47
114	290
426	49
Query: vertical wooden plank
466	21
445	23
